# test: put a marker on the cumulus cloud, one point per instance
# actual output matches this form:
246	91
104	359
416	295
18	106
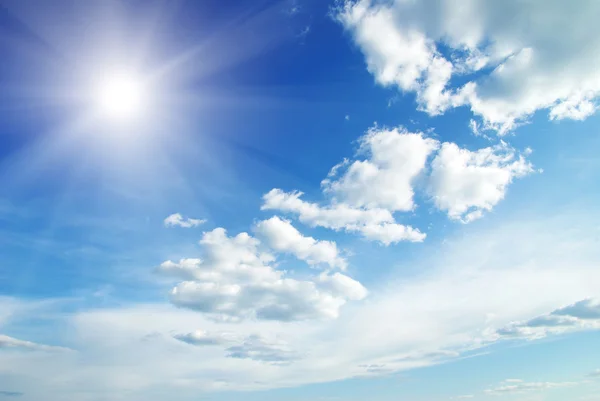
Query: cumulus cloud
466	183
366	192
7	342
519	386
373	224
528	57
258	348
237	281
177	220
282	236
470	273
395	157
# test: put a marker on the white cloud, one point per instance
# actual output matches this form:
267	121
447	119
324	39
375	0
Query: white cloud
14	343
177	220
438	314
373	224
581	315
528	55
466	183
520	386
254	346
236	281
282	236
204	338
384	180
258	348
365	193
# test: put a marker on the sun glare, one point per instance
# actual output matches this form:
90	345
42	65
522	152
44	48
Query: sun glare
120	96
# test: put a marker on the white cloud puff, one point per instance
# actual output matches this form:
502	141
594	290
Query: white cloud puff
282	236
373	224
385	179
236	281
177	220
466	183
528	56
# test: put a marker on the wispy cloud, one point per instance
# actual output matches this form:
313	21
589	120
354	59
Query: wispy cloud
519	386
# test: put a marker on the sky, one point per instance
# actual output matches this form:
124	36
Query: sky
299	200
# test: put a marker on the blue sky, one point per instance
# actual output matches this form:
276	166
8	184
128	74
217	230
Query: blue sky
299	200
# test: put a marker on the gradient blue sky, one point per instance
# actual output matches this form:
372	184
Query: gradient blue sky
349	200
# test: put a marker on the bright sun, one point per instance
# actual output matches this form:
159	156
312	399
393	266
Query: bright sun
120	96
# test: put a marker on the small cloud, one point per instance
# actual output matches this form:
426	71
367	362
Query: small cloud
204	338
177	220
595	373
305	31
462	397
512	386
347	117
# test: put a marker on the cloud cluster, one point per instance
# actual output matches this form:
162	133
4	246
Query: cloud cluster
581	315
177	220
391	165
408	322
236	281
513	58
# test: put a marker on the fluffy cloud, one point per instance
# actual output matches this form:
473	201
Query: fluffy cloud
581	315
373	224
365	193
466	183
385	178
518	386
528	57
260	349
237	281
437	316
14	343
177	220
282	236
